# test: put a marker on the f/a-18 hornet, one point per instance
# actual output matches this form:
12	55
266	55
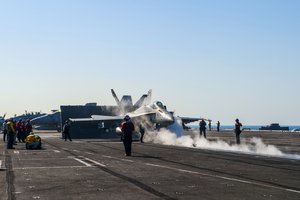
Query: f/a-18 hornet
151	115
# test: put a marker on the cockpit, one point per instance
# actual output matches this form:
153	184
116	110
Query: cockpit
158	105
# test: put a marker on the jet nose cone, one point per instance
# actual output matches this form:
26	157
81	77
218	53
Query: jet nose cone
170	118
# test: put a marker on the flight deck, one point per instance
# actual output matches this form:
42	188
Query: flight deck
97	169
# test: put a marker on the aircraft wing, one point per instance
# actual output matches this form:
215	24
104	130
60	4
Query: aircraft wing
98	118
107	117
134	115
118	118
187	120
111	118
80	119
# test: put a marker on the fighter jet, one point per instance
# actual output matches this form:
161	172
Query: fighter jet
152	115
126	105
48	121
28	115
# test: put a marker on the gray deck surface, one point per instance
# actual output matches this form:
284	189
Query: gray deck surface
97	169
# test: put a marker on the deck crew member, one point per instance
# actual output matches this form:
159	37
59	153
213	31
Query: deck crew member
66	130
237	130
127	129
10	133
202	127
142	131
218	126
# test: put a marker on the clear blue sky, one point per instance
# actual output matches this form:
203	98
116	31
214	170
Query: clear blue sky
216	59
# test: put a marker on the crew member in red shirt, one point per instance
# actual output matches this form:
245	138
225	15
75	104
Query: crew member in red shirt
127	129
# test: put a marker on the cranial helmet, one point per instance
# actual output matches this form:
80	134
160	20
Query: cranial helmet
127	118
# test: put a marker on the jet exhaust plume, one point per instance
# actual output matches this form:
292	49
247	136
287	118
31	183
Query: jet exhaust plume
254	146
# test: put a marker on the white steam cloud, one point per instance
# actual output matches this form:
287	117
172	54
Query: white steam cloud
254	146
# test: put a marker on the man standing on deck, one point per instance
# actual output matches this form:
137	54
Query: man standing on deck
10	133
28	128
237	130
218	126
209	125
202	127
127	129
142	131
66	130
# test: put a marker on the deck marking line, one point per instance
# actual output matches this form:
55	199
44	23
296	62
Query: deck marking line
56	167
127	160
95	162
1	167
81	161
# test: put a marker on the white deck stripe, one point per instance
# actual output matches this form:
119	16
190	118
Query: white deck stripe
57	167
95	162
126	160
37	159
123	159
81	161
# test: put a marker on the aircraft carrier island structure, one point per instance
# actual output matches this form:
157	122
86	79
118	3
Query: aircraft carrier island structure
80	128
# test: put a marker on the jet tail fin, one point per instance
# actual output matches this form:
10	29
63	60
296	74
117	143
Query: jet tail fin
144	100
4	115
117	100
125	104
140	102
149	95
